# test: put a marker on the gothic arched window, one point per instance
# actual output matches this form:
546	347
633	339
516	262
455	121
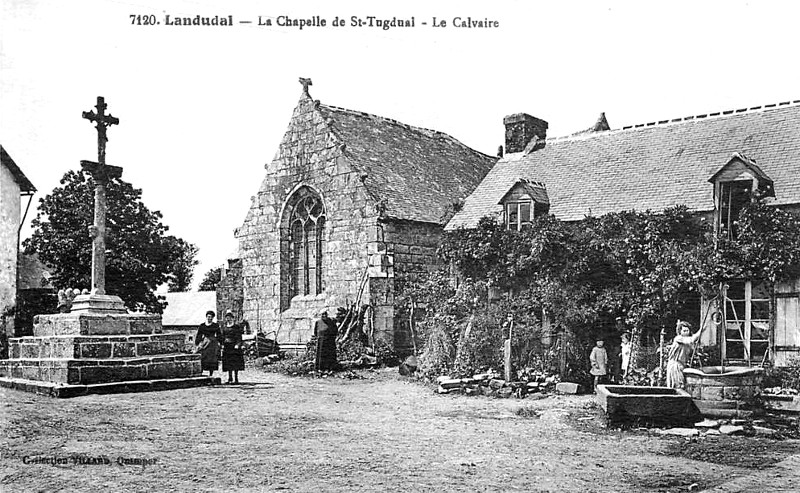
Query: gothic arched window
306	235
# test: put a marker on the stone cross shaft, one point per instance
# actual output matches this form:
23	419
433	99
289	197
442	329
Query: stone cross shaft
100	173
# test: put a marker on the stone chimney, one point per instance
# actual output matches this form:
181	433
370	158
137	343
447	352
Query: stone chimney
522	129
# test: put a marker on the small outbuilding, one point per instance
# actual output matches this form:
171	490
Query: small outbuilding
186	311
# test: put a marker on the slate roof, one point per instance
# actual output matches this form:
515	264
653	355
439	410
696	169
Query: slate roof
25	185
652	166
418	173
188	309
32	273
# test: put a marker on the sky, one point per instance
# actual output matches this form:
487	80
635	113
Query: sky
202	109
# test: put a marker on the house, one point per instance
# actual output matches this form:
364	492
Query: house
36	294
710	163
351	205
186	311
13	185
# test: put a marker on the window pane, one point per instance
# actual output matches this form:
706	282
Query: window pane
320	249
311	264
316	208
735	290
734	350
734	196
525	213
759	330
759	310
757	350
298	259
734	311
511	212
734	330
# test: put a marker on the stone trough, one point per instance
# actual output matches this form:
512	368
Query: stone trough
728	392
657	405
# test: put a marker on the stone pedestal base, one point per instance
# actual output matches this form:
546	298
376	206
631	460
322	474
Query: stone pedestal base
98	303
89	352
87	324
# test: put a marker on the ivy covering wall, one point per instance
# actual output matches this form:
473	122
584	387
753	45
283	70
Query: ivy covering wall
625	271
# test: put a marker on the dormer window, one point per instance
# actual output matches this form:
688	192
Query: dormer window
735	185
523	202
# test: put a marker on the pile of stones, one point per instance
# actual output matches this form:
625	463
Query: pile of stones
769	428
491	384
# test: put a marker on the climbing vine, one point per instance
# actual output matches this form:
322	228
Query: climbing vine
641	270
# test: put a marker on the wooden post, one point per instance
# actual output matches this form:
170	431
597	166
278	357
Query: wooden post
507	350
661	355
507	358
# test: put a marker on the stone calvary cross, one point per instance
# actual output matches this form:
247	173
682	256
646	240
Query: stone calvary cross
97	300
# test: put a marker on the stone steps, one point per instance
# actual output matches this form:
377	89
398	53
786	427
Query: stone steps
78	346
66	391
96	324
87	371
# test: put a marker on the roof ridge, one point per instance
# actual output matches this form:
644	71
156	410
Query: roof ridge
660	123
714	114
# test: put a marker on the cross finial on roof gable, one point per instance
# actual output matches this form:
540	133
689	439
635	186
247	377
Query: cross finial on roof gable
306	82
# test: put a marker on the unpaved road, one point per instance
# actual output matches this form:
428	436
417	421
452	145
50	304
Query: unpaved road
379	433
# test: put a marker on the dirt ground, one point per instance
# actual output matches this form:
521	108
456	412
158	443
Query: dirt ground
379	432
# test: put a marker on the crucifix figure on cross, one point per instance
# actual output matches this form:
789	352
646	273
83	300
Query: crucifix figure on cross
101	173
103	121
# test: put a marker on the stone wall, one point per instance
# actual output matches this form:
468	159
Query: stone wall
404	250
230	290
9	226
308	156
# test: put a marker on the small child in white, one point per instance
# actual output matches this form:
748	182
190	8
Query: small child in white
599	361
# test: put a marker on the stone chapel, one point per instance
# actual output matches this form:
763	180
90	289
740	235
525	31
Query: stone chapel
351	203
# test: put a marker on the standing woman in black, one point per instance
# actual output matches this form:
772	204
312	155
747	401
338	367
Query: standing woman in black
207	343
232	353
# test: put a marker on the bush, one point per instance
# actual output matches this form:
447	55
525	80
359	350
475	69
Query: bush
438	354
707	356
787	377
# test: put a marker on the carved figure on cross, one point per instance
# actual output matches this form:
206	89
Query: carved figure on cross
103	121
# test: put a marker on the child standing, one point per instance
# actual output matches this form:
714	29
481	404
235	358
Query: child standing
625	353
599	361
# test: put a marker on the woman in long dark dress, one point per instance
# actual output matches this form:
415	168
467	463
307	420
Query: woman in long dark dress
207	343
232	353
326	331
